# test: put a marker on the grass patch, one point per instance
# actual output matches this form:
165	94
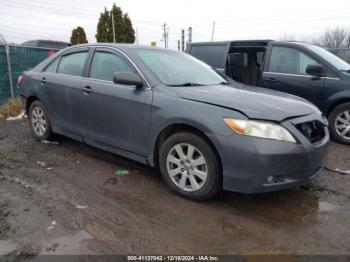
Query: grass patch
13	107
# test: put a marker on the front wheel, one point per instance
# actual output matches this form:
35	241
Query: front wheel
39	121
189	166
339	121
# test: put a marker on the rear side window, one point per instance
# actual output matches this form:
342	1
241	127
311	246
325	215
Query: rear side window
214	55
289	61
105	64
52	67
72	64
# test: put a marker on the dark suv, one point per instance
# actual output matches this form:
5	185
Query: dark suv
300	69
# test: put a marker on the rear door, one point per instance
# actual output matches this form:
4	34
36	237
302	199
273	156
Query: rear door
115	115
61	88
286	72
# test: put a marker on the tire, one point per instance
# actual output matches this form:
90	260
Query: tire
39	121
188	179
339	121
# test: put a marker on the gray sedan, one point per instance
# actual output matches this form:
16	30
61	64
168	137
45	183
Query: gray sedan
169	110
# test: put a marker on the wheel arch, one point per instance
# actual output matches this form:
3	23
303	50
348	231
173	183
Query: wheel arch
29	101
181	127
337	102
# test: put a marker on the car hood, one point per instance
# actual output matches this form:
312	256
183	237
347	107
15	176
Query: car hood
254	102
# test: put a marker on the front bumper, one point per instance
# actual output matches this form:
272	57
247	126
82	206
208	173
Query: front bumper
255	165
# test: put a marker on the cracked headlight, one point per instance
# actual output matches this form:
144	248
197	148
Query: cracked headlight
262	129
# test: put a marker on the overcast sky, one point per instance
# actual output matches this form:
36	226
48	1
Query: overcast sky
22	20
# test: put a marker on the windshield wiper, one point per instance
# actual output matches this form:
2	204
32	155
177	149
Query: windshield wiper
187	84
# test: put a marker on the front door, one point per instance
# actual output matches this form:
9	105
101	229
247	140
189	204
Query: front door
115	115
286	72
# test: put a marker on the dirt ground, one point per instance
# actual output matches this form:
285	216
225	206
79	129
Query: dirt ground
65	198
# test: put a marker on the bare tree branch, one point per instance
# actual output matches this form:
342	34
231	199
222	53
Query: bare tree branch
336	37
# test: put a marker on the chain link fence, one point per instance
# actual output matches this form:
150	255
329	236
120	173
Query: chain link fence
4	76
14	59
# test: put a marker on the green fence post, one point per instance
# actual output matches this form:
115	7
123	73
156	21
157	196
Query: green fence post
8	61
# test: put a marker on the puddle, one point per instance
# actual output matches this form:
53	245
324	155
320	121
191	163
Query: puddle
293	207
6	247
99	232
135	204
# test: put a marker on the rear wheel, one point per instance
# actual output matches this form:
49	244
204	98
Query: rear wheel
339	121
189	166
39	121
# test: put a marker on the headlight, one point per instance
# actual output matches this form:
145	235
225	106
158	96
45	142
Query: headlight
261	129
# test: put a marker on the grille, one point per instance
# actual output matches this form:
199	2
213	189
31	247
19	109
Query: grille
313	131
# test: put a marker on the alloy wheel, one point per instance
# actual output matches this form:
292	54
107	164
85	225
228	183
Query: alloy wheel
342	124
38	120
187	167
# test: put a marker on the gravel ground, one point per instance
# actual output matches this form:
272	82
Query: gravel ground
66	199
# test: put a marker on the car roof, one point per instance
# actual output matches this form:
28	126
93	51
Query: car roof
262	42
120	46
235	42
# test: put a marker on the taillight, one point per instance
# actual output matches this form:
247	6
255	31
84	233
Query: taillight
50	52
20	80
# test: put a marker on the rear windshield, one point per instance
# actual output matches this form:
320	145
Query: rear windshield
47	44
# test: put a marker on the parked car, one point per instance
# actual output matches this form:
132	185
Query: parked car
46	44
169	110
296	68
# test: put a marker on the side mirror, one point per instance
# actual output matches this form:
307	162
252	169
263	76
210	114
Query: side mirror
127	78
316	70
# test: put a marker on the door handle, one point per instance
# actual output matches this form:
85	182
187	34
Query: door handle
270	79
87	90
43	80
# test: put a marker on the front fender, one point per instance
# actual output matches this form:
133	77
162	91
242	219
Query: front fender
170	110
337	99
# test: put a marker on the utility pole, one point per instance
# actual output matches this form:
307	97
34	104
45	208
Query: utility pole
165	35
178	45
113	27
212	34
182	40
349	42
190	35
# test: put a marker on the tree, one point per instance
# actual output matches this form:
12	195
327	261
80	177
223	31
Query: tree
78	36
336	37
129	32
124	31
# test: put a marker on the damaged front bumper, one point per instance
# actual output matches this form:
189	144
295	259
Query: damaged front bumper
255	165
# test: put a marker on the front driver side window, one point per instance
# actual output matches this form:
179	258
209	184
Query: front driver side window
289	61
105	64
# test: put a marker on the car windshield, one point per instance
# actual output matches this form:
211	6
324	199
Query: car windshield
337	62
179	69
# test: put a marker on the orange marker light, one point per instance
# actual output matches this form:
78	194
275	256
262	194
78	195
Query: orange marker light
234	126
